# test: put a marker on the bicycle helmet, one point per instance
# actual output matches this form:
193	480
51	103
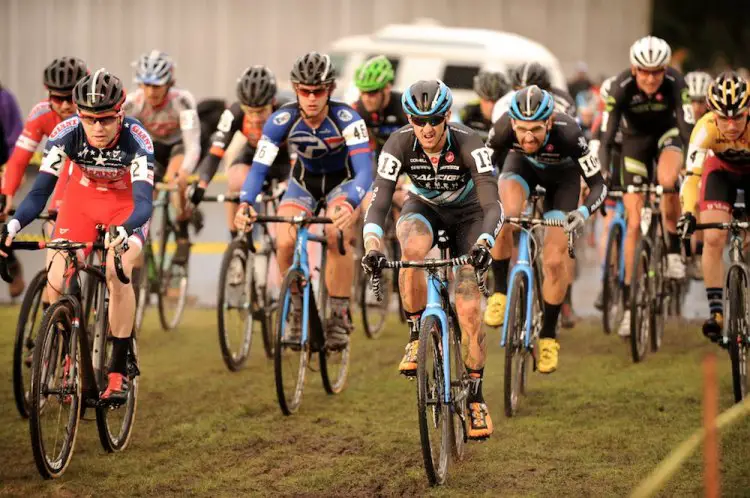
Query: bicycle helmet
374	74
427	98
530	73
256	87
313	69
490	85
154	68
650	52
531	104
698	83
99	92
63	73
728	95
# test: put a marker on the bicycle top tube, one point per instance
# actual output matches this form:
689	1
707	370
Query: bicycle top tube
429	263
640	189
525	221
59	245
294	220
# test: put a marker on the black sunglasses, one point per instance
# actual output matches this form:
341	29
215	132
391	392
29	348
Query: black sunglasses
432	121
59	99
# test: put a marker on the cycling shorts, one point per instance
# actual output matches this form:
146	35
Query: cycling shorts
305	190
719	184
561	181
641	152
279	170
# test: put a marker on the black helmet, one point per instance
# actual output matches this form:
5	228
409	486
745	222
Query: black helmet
530	73
490	86
728	95
256	87
99	92
313	69
532	104
63	73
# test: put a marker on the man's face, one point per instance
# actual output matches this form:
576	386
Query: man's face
732	128
312	99
374	100
485	107
155	94
62	104
257	116
648	80
530	134
101	129
429	130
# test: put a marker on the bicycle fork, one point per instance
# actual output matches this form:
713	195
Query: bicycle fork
524	267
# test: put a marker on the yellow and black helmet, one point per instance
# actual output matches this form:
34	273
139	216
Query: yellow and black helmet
728	95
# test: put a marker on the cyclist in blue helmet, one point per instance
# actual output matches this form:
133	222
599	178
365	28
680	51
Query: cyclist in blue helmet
535	145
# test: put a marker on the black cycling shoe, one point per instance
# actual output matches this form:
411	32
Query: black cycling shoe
713	326
338	328
599	302
182	254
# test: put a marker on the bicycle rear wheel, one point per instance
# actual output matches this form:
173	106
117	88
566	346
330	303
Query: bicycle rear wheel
234	303
291	357
267	301
663	299
612	296
374	312
28	318
55	396
173	279
737	330
515	349
435	422
114	423
142	280
641	302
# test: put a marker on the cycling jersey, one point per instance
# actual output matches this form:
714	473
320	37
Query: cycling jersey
471	115
172	122
98	173
733	156
339	144
564	103
647	116
461	176
233	120
381	124
565	147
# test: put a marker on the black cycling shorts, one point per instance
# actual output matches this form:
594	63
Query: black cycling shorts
280	168
164	153
720	182
641	152
561	182
463	224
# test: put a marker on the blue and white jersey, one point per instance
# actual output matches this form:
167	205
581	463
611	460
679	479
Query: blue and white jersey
128	163
341	142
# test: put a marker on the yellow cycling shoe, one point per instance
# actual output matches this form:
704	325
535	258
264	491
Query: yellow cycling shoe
480	423
408	365
547	355
494	315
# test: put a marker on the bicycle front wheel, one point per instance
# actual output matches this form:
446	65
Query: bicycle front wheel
374	312
23	349
515	349
291	355
641	302
55	396
435	421
173	279
234	303
737	330
459	389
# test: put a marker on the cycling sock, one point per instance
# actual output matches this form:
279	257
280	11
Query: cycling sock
715	297
699	247
182	229
500	271
569	296
674	243
549	322
475	392
413	320
119	360
626	293
232	234
340	305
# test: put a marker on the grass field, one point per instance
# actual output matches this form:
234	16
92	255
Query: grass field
594	428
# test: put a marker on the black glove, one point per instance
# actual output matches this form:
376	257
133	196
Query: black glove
686	225
373	260
480	257
574	221
195	194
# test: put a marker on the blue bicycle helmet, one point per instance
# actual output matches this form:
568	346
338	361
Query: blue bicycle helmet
427	98
531	104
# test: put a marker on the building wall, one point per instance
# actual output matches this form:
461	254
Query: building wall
213	40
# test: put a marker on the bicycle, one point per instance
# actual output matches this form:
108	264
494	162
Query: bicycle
524	312
613	268
442	381
736	336
244	297
651	294
66	369
334	364
158	275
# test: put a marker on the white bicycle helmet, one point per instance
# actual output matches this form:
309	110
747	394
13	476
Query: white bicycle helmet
650	52
697	83
154	68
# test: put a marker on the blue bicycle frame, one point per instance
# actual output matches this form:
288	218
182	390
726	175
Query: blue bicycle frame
436	288
523	265
619	220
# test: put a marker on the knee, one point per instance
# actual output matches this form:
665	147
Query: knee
284	244
714	239
554	264
467	292
413	250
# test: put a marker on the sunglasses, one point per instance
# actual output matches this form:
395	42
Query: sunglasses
60	99
432	121
309	92
104	120
654	72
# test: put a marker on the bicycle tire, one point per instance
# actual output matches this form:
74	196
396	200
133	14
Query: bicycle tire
168	271
737	330
435	468
330	361
459	384
266	310
27	319
641	302
143	286
236	251
374	315
287	348
662	296
612	295
59	313
515	349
